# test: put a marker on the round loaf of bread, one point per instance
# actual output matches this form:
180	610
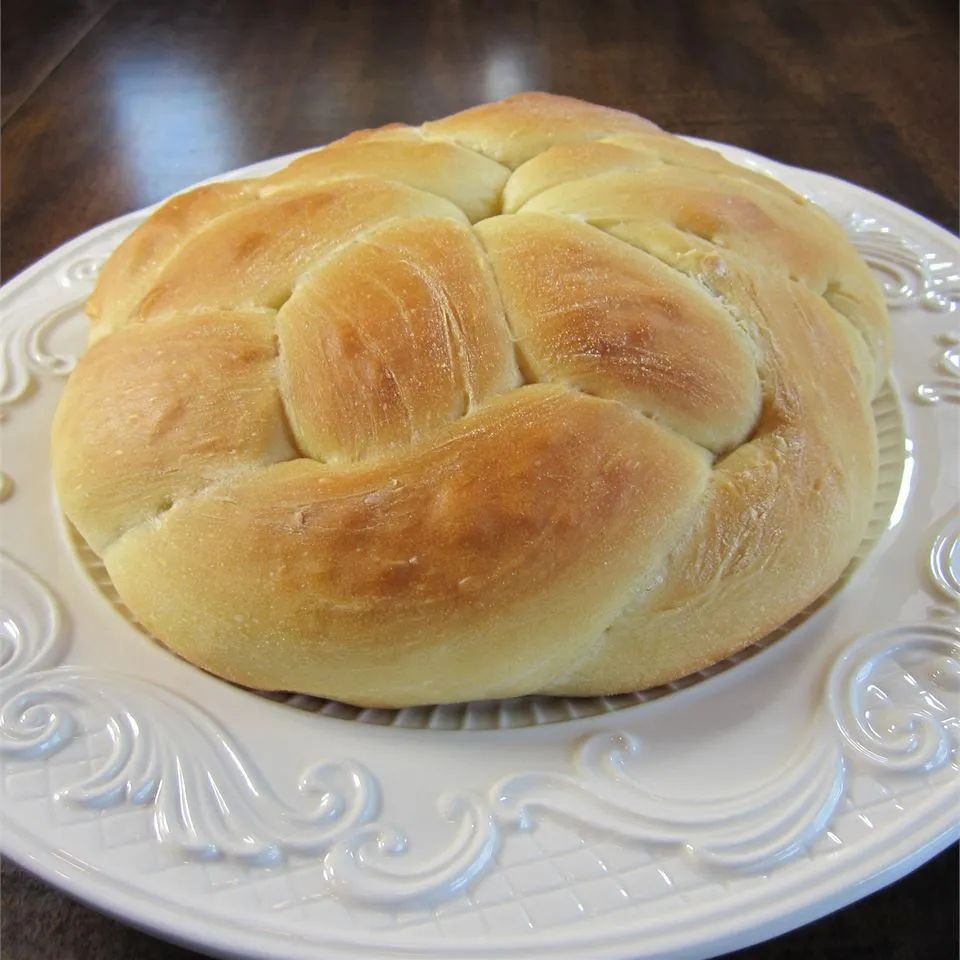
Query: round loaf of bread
532	398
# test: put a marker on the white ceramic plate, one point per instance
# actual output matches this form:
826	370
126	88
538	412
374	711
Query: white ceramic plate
686	821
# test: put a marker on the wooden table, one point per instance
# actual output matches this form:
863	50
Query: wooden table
108	106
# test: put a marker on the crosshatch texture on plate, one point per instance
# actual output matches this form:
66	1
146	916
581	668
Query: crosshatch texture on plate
156	792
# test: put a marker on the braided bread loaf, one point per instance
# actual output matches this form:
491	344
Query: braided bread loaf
535	397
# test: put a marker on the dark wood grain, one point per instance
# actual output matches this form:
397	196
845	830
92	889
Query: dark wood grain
37	37
161	94
109	106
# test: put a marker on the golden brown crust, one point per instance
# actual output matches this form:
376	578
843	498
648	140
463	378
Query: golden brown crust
252	257
465	178
133	269
357	381
608	319
449	572
157	413
620	153
309	446
781	511
512	131
673	212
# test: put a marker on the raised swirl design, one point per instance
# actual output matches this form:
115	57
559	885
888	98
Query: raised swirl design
939	391
83	271
945	559
908	275
945	388
894	696
31	624
207	799
374	866
747	831
24	352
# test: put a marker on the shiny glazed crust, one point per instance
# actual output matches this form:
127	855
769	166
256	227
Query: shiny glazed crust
533	398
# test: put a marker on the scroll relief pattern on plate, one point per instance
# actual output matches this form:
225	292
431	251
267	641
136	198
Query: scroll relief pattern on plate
891	697
890	706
